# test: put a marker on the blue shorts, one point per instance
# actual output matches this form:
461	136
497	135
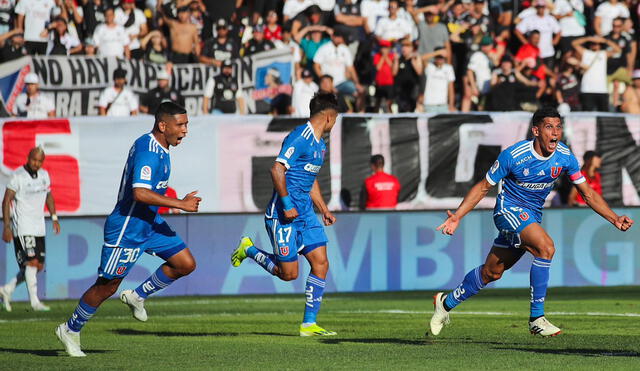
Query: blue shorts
117	261
510	221
301	236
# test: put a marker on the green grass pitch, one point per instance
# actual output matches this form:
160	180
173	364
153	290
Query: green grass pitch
378	331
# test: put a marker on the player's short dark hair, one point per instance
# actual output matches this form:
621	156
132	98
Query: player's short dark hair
377	160
589	155
323	101
168	109
544	112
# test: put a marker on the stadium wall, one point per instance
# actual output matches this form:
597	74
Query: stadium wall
381	251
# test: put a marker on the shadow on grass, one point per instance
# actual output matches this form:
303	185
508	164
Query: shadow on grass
416	342
272	334
48	352
131	332
577	352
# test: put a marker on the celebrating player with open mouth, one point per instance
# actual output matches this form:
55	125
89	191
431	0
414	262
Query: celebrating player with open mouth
527	172
134	227
290	220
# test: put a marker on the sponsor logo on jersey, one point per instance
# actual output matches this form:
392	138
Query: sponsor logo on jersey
555	171
495	167
289	152
523	160
121	270
524	216
312	168
284	250
535	186
525	172
145	172
162	184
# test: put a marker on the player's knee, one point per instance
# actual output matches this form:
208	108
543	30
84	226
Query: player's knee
321	267
186	268
109	288
289	276
490	274
547	249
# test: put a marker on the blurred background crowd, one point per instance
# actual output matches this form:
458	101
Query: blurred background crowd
377	55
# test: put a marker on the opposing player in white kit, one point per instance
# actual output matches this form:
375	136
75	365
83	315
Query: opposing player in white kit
28	190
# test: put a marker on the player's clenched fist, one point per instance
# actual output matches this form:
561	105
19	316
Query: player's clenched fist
191	202
291	213
328	218
623	223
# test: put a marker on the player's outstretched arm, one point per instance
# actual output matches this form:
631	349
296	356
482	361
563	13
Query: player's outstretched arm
316	197
278	171
600	206
475	195
189	203
9	195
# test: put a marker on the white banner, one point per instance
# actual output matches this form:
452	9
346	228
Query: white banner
227	158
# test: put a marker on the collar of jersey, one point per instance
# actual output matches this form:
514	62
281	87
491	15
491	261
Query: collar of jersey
160	145
313	131
536	155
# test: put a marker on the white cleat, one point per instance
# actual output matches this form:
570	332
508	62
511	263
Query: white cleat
40	307
70	340
440	315
135	303
6	299
543	327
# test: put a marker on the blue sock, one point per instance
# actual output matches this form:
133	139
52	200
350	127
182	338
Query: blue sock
539	279
471	285
313	290
80	316
156	282
264	259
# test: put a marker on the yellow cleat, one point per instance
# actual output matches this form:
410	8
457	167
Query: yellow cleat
240	253
315	330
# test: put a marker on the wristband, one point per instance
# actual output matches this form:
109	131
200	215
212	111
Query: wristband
287	204
54	217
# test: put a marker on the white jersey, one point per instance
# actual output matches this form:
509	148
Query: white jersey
27	211
37	107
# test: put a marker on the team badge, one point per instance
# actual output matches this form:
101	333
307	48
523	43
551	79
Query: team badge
525	172
284	250
524	216
121	270
555	171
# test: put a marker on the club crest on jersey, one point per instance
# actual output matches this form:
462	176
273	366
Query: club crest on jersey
284	250
524	216
121	270
555	171
289	152
145	172
525	172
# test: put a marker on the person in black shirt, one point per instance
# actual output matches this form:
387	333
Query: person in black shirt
12	45
220	48
407	71
93	15
224	90
162	93
504	88
620	65
258	43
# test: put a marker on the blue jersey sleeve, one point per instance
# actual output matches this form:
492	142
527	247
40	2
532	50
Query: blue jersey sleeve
145	166
292	148
500	168
574	171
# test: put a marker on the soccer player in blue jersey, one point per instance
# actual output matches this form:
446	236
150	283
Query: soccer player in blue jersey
527	172
135	227
290	220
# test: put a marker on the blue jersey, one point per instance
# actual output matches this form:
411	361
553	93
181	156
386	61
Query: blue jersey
528	178
303	155
148	166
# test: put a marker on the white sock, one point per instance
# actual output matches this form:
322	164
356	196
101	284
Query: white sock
32	284
15	281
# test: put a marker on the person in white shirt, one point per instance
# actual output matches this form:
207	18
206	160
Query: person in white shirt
594	93
32	17
393	27
118	100
549	28
33	104
27	192
334	59
134	23
294	7
570	15
373	10
439	96
110	38
606	13
477	82
303	90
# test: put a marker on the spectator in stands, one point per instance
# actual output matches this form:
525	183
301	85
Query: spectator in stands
374	10
225	91
310	17
590	166
478	16
110	38
262	8
303	90
570	16
155	47
163	92
12	45
32	103
335	59
529	54
325	85
310	39
549	28
568	87
407	70
631	97
185	38
61	42
294	7
135	25
272	31
478	79
433	34
349	20
258	43
594	92
620	65
220	48
439	96
380	190
93	15
532	88
72	13
505	82
89	47
201	19
6	15
384	61
33	17
606	12
118	100
169	210
393	27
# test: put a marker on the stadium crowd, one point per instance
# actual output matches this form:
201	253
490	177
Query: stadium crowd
378	55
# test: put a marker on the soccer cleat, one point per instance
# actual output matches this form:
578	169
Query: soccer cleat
70	340
40	307
240	253
543	327
6	299
440	315
135	303
315	330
